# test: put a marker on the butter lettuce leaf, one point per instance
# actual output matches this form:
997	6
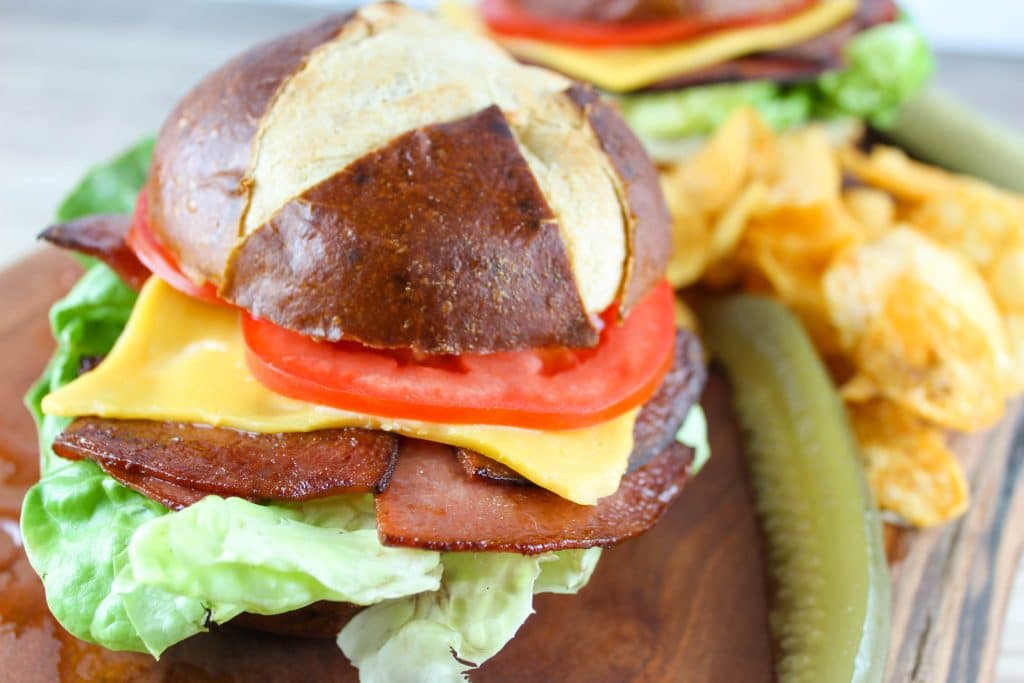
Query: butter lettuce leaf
885	67
694	433
110	187
269	560
124	572
699	110
76	524
483	600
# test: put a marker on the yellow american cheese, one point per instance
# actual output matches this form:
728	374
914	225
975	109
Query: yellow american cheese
182	360
622	69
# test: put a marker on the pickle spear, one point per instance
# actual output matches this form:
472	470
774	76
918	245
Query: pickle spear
830	580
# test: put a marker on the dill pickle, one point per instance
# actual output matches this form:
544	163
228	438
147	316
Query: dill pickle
830	602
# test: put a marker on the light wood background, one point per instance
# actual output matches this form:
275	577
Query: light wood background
80	79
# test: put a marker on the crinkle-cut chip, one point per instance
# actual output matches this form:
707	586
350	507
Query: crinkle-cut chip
1006	279
691	239
731	224
717	173
799	288
976	220
922	328
796	236
909	468
806	175
890	169
789	251
874	210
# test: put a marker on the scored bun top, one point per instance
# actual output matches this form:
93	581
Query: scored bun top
387	179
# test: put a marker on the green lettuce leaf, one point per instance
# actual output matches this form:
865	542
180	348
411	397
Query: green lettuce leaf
694	433
270	560
702	109
76	524
110	187
123	572
483	600
885	67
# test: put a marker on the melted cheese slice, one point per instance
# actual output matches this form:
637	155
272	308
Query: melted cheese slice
182	360
622	69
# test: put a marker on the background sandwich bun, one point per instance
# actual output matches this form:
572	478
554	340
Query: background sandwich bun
387	179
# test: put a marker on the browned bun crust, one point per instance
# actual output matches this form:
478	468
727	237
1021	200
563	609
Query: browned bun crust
197	189
647	233
451	287
493	207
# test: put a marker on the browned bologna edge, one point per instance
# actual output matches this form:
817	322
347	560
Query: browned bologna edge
228	462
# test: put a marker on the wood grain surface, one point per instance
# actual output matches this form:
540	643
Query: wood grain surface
951	584
684	602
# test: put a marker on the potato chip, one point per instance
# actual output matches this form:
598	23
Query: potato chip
890	169
922	329
717	173
730	225
978	221
1006	279
874	210
909	467
806	173
691	239
910	283
799	288
1015	328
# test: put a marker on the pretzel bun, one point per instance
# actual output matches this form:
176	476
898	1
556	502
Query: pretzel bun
385	178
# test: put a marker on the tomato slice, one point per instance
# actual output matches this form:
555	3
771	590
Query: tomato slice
159	260
507	18
548	389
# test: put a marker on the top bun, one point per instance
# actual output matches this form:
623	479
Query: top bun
387	179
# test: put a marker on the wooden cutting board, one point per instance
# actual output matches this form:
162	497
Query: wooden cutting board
686	602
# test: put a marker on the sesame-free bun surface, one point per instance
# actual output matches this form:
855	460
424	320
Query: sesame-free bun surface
385	178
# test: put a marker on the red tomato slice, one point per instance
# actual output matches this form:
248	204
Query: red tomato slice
507	18
155	256
564	389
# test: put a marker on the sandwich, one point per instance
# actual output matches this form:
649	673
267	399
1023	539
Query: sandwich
679	69
384	349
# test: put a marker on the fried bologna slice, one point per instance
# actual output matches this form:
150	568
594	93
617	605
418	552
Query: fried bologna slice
432	504
289	466
103	238
172	496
